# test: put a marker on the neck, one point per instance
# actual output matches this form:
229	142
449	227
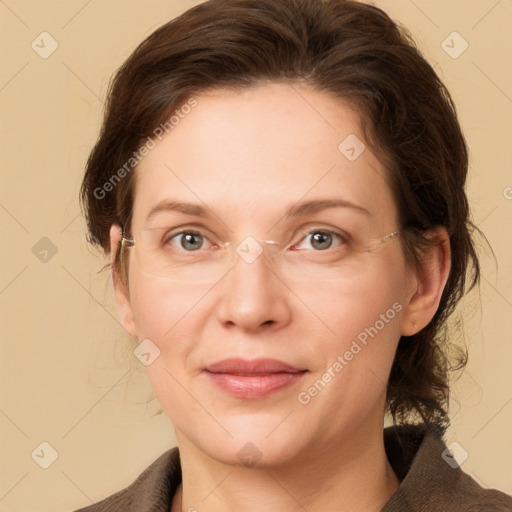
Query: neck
353	473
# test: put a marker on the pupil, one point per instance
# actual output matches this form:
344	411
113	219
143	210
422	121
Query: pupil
189	237
321	238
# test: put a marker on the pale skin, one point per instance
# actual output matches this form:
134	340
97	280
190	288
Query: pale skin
248	156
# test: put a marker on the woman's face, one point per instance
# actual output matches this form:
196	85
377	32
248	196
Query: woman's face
247	158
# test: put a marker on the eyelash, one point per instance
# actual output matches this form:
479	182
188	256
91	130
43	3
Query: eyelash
342	237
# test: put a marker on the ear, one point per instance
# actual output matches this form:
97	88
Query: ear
122	294
427	283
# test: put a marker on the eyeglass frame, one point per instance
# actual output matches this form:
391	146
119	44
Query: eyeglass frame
130	241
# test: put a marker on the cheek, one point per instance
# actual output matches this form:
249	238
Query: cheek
162	310
167	314
355	353
363	317
349	306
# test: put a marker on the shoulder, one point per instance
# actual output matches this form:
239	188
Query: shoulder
431	478
153	489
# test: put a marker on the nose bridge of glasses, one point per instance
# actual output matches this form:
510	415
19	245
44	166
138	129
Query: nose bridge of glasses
251	248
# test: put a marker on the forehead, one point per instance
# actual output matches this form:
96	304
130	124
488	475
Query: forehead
254	153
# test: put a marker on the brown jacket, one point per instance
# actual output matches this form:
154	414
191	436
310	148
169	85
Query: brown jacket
431	481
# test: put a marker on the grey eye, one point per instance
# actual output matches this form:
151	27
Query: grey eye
190	240
321	240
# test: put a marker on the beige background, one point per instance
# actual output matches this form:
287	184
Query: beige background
67	374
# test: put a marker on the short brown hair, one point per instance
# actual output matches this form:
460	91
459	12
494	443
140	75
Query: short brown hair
353	51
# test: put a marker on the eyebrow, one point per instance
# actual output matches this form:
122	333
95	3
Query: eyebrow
300	209
316	205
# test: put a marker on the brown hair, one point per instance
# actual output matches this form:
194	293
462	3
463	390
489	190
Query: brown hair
351	50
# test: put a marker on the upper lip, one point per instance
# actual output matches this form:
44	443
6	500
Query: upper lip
251	367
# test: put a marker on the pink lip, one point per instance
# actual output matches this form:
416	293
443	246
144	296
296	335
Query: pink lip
253	379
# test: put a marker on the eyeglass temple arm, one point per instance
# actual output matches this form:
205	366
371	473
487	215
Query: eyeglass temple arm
391	235
127	241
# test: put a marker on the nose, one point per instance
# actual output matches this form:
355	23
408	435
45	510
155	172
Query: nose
253	296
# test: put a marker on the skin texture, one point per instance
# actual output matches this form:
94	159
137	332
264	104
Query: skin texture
248	156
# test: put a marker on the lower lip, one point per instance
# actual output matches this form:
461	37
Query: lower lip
254	386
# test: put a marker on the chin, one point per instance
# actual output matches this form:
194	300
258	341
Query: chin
257	441
255	453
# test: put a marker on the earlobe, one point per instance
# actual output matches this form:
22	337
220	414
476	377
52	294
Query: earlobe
122	295
429	281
